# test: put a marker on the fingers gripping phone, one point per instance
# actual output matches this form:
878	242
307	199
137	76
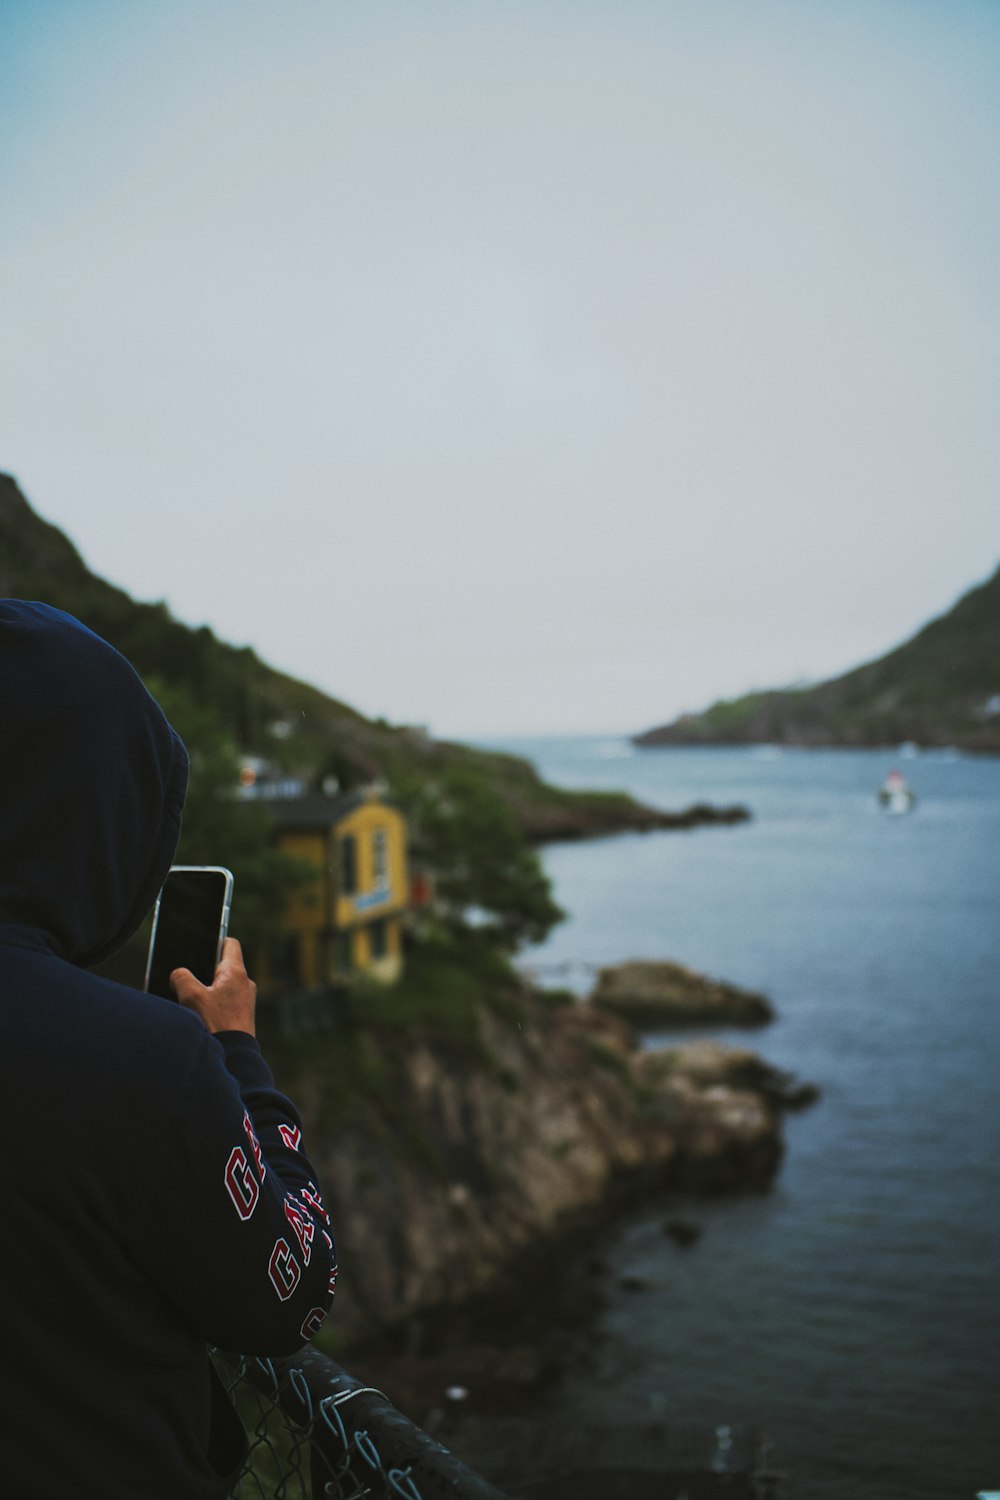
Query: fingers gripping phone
190	923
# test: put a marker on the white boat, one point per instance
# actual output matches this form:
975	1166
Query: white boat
895	794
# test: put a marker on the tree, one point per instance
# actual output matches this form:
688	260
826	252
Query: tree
482	863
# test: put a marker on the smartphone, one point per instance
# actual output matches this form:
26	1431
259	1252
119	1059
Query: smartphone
190	923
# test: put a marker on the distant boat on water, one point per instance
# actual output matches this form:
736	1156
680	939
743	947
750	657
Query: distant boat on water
895	795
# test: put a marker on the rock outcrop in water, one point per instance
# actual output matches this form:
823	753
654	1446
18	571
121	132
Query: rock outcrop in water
656	993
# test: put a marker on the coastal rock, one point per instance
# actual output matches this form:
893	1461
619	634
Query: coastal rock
653	993
710	1066
566	1121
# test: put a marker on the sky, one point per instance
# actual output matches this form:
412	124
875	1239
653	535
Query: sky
511	367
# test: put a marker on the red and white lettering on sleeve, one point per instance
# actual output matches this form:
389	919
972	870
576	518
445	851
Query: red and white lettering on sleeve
302	1226
311	1196
243	1183
254	1145
284	1270
313	1323
246	1259
244	1177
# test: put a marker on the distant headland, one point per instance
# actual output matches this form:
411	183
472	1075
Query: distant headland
940	688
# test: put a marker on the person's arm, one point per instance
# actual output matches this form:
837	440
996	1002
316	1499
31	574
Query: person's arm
235	1232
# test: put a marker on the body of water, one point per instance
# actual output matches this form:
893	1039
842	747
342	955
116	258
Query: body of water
853	1312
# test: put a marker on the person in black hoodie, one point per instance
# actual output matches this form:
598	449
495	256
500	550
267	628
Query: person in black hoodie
156	1198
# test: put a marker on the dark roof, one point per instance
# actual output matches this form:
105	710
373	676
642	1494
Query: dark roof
314	810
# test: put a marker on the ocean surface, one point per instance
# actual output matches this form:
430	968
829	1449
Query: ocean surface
853	1313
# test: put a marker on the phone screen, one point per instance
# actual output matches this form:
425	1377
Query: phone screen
191	919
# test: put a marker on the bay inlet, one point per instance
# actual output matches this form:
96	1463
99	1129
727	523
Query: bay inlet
853	1311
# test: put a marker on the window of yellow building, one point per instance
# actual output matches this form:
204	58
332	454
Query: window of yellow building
348	864
380	856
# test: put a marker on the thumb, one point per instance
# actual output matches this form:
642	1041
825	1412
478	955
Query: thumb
185	986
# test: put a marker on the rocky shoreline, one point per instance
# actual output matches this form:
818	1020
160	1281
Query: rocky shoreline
587	816
464	1198
719	1133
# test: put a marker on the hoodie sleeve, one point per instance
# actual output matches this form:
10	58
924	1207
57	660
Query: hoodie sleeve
235	1233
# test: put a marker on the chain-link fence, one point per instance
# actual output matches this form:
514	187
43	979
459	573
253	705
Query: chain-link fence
316	1433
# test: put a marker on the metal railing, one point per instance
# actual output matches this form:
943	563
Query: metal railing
316	1433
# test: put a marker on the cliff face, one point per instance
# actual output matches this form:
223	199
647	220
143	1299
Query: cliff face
479	1167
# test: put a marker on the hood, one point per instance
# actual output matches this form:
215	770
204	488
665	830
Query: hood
93	782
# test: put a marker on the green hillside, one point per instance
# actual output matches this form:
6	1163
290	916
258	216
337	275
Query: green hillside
942	687
473	815
301	730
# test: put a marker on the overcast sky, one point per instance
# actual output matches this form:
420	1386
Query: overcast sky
511	367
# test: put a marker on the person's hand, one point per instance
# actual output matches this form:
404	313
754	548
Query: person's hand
228	1003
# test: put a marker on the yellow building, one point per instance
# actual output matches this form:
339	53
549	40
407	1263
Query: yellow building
348	919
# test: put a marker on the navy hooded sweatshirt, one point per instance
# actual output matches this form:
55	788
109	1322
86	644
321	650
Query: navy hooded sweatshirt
154	1193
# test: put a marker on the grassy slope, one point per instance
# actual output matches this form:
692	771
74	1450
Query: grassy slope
37	561
933	689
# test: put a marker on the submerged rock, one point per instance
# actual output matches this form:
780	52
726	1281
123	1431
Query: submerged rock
630	1282
683	1232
